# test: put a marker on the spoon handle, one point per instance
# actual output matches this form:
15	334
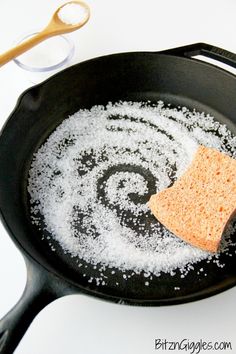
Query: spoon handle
22	47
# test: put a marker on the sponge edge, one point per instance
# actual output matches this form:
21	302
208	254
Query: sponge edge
200	203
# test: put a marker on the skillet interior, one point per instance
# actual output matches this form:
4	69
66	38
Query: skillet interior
128	76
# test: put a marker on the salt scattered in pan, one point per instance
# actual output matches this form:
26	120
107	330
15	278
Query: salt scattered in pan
91	180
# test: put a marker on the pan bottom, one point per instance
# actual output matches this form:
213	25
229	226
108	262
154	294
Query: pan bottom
125	168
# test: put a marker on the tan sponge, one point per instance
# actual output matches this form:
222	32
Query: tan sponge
200	203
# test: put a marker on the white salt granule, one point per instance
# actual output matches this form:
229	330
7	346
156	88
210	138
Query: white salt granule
72	13
92	178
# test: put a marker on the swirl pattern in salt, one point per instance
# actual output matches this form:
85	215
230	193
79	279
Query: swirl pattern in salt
91	180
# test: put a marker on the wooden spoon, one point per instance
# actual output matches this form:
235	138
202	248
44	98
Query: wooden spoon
56	26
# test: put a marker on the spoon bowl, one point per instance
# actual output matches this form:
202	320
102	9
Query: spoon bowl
57	26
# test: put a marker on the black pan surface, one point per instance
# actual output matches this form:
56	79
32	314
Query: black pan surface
129	76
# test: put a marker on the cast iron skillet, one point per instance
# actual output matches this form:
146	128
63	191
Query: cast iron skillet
172	76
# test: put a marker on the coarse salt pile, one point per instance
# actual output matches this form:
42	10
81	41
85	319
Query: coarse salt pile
90	181
73	13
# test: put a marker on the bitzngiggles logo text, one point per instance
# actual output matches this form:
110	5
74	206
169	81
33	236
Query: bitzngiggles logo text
191	347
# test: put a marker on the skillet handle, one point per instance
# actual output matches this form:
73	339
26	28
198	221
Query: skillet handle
206	50
41	288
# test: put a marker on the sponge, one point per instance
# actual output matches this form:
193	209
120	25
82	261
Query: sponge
200	203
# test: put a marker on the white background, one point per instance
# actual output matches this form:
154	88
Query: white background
79	324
